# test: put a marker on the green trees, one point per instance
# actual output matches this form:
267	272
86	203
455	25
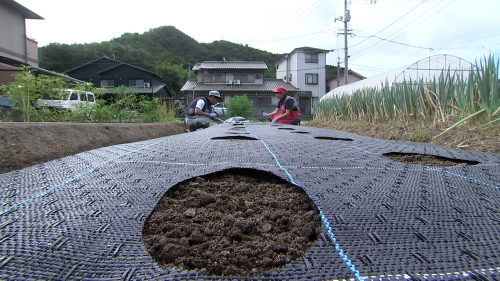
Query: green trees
124	106
164	50
240	106
174	74
27	87
22	92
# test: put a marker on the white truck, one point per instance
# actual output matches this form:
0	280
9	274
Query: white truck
68	100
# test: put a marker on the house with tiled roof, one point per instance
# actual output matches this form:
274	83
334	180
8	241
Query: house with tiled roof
302	73
233	78
110	73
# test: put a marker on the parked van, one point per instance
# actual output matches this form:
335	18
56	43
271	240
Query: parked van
68	100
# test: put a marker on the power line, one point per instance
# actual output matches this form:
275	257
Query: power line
370	68
276	33
392	22
471	40
438	49
407	25
303	17
265	35
395	42
371	47
303	35
346	57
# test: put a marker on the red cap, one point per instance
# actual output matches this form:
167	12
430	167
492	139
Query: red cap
280	90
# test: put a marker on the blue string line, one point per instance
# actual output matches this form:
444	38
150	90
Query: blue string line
339	250
15	205
462	176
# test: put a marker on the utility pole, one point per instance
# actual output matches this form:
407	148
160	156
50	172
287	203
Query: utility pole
346	19
338	72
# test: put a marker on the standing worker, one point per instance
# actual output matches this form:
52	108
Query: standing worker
199	113
287	111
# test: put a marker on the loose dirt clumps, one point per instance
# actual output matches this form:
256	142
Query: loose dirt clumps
233	222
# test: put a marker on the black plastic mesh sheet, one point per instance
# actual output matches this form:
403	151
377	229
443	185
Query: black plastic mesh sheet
81	217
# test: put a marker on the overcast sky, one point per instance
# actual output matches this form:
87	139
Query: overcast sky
384	34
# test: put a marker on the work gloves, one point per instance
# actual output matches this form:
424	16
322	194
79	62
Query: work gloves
274	120
265	114
213	115
221	121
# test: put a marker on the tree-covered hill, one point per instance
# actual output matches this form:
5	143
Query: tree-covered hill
164	50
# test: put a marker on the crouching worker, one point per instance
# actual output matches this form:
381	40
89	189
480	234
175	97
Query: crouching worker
199	113
287	111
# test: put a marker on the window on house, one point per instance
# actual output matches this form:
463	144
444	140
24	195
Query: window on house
218	78
311	78
107	83
247	78
139	83
290	77
312	57
258	76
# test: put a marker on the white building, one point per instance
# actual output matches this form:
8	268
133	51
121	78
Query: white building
305	69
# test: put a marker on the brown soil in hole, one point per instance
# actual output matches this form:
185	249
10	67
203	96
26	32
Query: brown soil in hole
427	160
234	222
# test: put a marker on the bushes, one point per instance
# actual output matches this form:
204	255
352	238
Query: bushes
123	106
240	106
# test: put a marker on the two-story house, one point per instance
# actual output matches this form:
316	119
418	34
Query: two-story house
232	78
110	73
302	72
17	49
305	69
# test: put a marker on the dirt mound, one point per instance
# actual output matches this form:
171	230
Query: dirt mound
23	144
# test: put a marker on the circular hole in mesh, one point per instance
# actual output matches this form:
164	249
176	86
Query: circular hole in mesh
332	138
234	137
233	222
427	160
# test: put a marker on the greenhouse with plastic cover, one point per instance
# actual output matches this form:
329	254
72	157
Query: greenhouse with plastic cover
428	69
